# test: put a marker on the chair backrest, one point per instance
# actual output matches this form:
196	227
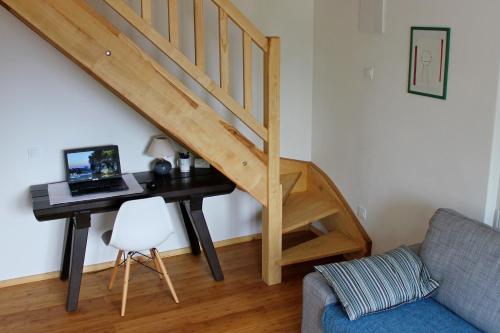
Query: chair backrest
141	225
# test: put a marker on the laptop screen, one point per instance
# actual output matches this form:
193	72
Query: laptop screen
95	163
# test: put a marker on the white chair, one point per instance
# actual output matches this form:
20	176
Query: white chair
140	225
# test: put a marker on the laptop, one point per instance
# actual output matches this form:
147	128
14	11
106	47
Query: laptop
94	169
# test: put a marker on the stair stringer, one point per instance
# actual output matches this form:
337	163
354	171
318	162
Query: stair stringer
90	41
345	221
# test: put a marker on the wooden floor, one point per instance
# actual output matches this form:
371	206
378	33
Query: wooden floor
241	303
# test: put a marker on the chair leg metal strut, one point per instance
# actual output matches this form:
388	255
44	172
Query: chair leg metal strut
159	268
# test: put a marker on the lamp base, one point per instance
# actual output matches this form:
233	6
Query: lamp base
162	167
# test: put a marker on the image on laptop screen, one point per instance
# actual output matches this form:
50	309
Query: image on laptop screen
93	164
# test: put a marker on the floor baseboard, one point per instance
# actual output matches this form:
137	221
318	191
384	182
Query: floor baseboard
106	265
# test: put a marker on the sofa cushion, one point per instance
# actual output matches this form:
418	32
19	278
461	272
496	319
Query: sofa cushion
379	282
464	256
422	316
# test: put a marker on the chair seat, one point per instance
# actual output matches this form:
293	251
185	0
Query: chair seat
106	236
419	317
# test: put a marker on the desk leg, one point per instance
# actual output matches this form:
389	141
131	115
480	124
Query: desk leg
66	257
200	224
193	238
80	232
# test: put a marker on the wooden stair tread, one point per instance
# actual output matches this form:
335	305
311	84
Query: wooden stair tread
305	207
331	244
288	181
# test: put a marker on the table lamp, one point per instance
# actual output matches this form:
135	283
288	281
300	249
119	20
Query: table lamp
160	148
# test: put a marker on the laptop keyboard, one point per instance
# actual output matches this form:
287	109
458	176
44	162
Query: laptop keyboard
101	184
98	186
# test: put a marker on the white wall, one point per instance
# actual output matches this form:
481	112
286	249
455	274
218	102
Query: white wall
401	155
292	20
49	103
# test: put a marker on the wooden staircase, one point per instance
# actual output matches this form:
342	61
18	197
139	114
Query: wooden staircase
295	195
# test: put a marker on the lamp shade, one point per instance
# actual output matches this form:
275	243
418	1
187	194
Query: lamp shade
160	147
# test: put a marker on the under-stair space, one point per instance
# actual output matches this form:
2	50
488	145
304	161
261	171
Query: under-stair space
313	198
294	194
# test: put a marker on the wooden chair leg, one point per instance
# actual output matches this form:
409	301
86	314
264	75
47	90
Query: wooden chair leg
115	269
153	255
125	283
165	274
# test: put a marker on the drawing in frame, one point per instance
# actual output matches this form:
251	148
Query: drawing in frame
429	58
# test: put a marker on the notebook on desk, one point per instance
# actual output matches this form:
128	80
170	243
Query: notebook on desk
94	169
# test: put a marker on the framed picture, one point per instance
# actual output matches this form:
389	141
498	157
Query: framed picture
429	57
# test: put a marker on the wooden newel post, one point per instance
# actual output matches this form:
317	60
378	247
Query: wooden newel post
272	224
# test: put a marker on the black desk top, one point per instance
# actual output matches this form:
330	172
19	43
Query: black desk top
176	186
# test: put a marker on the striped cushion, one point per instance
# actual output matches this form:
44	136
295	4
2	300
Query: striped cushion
379	282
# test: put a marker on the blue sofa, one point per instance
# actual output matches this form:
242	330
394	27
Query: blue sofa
463	255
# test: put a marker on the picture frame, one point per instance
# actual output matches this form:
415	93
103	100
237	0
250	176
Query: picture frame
429	60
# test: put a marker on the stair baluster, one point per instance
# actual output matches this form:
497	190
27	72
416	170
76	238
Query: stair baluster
173	22
147	11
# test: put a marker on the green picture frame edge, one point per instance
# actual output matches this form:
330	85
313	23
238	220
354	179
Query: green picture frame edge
446	61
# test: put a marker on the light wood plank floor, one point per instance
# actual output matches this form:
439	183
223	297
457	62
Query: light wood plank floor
241	303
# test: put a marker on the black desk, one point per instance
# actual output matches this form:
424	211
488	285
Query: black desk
187	189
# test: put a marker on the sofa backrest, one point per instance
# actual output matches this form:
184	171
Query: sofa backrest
464	256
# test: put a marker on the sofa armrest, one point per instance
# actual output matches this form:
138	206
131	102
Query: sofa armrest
316	295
